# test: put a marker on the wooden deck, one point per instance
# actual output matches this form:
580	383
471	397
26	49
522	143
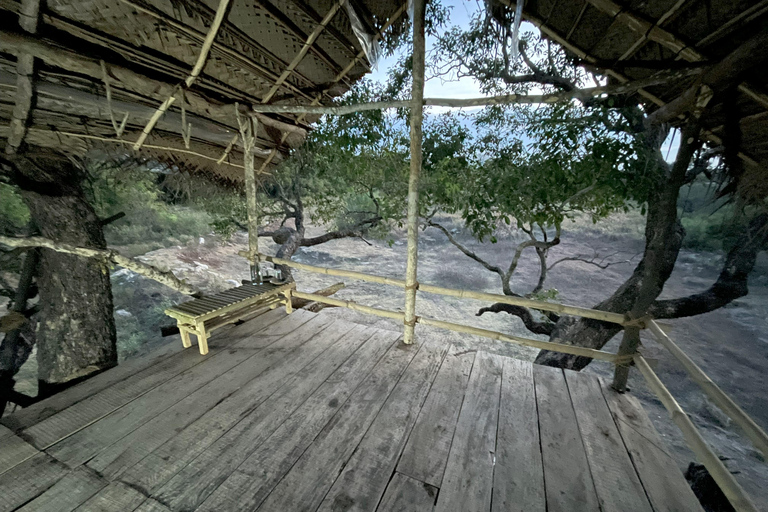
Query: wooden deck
302	412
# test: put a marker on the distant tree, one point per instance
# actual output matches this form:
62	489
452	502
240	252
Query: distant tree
603	147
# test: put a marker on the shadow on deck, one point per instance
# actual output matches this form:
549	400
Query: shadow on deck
302	412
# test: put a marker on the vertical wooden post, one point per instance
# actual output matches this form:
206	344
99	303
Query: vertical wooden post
417	115
629	344
248	129
288	301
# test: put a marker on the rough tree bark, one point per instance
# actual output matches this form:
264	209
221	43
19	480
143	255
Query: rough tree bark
76	328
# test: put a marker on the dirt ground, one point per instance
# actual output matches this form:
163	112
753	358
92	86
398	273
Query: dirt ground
730	344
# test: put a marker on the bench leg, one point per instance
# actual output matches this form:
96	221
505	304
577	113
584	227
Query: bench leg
202	338
288	303
185	341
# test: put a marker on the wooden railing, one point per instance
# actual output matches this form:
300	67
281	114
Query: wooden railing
627	354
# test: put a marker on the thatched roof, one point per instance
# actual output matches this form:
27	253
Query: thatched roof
632	39
143	49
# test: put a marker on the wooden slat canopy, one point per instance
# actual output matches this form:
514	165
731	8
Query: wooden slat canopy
633	39
99	61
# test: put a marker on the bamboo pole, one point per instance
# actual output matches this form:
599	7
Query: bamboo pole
412	221
605	316
166	278
504	99
542	345
198	67
395	315
716	468
329	271
753	431
450	326
248	128
628	347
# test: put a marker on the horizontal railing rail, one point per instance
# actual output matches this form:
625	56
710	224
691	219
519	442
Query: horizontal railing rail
605	316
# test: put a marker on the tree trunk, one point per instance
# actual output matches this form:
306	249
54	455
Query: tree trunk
76	328
664	237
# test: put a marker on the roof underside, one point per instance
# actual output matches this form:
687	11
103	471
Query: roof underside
633	39
148	47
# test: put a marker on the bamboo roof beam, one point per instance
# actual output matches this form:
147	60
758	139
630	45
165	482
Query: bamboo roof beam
29	14
667	39
344	72
202	58
746	16
613	73
300	34
304	49
127	79
192	33
505	99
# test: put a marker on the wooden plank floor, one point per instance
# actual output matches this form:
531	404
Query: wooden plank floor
304	412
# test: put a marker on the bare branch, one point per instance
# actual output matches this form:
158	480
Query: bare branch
524	314
467	252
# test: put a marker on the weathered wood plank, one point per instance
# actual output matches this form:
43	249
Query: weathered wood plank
567	477
160	466
28	480
287	324
36	413
518	479
467	484
113	498
249	326
68	493
91	409
364	479
617	485
255	478
83	413
405	494
305	485
86	443
13	449
129	450
436	423
151	505
192	485
659	474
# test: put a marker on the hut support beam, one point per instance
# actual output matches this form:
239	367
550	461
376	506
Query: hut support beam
417	115
248	126
196	70
29	14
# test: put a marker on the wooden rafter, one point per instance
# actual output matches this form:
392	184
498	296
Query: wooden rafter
361	55
654	32
202	58
612	73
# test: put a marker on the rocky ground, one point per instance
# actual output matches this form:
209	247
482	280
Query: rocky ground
730	344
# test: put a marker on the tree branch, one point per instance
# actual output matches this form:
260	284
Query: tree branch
355	231
732	281
166	278
467	252
523	313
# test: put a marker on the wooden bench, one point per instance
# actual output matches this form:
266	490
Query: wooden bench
202	316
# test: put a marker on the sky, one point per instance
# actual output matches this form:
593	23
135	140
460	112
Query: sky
461	11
